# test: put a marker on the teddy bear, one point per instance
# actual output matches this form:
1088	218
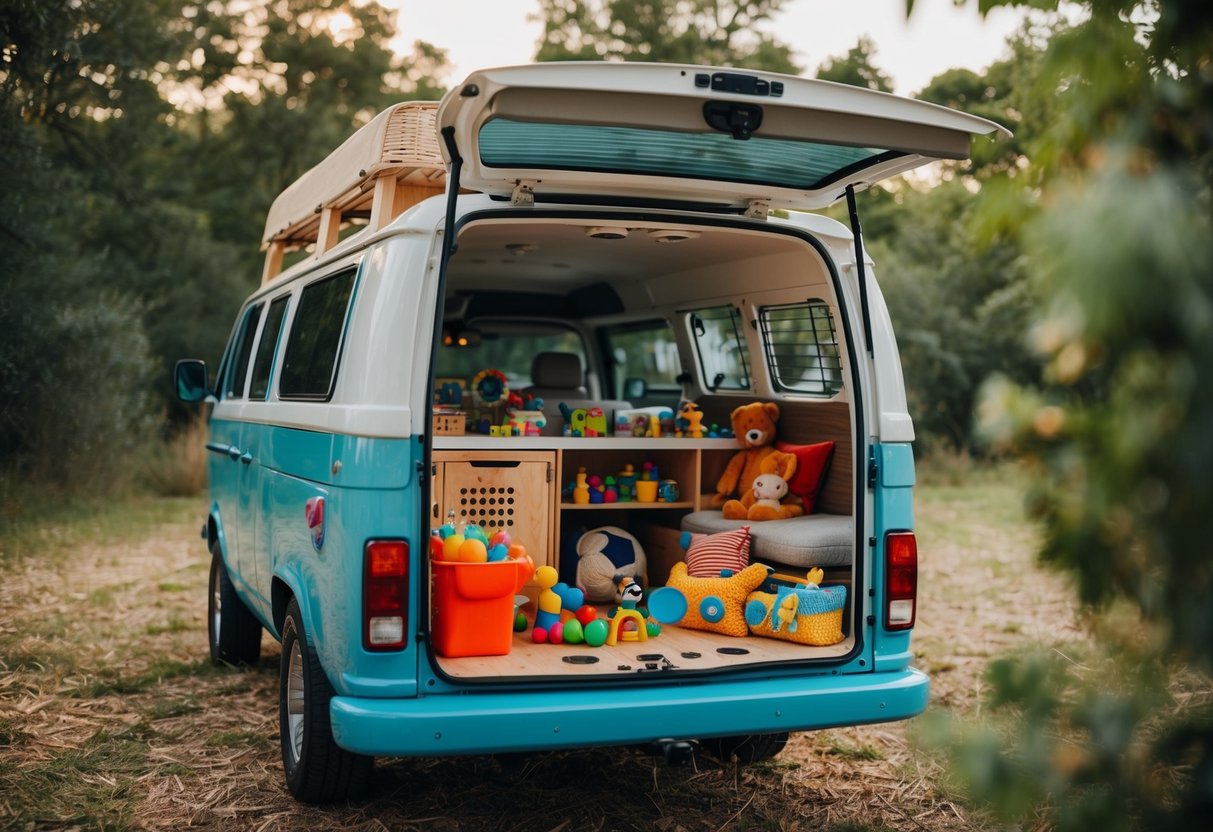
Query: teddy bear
754	426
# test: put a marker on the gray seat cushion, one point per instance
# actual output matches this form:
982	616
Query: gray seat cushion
812	540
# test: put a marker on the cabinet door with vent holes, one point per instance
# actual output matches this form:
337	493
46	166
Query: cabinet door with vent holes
514	491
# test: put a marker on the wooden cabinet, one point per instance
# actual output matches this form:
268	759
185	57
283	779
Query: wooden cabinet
499	489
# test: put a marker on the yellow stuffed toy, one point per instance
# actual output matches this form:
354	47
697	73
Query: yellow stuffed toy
754	426
717	604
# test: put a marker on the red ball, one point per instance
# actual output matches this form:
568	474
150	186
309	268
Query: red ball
586	614
539	635
556	633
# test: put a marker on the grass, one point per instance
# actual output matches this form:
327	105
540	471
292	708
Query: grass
111	715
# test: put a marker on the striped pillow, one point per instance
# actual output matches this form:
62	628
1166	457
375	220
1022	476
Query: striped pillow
709	554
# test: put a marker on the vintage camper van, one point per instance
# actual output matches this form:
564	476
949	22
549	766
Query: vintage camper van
485	437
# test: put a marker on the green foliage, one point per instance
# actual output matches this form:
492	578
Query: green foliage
1115	210
709	32
138	137
857	68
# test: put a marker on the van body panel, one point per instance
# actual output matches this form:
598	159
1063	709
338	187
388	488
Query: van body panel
487	722
894	511
619	130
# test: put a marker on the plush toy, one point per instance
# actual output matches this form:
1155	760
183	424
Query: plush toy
769	489
603	555
717	604
754	426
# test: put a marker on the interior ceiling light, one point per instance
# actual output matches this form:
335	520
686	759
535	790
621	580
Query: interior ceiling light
606	232
672	235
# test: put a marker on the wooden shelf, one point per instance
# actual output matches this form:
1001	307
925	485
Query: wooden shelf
564	506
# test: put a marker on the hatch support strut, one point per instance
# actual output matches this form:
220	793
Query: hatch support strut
452	182
860	268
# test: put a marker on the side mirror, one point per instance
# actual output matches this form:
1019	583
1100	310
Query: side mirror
635	388
190	378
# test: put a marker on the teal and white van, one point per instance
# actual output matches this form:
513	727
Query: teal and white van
626	237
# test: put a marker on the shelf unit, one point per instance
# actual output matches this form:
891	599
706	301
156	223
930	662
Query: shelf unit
695	464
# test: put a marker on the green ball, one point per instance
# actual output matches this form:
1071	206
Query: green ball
520	622
654	629
573	633
596	633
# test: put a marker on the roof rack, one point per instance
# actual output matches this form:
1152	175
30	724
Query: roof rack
390	164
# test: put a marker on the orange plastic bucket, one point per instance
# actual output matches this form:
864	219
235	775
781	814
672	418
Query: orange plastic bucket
473	607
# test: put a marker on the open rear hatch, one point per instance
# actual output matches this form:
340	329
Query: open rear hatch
689	133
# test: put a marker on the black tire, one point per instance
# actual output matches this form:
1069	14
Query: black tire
234	632
317	769
747	749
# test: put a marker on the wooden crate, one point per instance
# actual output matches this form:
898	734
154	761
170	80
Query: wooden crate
450	423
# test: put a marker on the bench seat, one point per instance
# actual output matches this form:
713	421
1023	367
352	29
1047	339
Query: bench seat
808	541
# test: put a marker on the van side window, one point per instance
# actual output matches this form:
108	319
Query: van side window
233	386
802	347
270	333
646	351
309	364
721	345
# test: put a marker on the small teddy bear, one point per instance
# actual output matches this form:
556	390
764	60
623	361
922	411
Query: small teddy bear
769	489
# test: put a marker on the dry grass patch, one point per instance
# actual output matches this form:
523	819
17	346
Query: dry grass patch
111	716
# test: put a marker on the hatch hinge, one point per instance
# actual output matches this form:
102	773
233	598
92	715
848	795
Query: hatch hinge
758	209
524	193
872	468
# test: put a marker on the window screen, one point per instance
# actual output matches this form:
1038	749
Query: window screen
265	349
233	385
722	351
802	348
309	363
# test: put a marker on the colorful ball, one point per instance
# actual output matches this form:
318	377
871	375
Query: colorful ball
436	547
539	635
516	551
497	552
586	614
556	633
450	547
476	532
596	633
573	632
653	628
520	622
473	551
502	537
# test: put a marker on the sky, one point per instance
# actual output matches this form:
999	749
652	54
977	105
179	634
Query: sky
938	35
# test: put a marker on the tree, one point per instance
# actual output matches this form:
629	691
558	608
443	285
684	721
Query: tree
710	32
1116	211
856	68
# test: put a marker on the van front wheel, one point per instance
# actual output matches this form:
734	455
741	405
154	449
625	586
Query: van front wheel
317	769
234	632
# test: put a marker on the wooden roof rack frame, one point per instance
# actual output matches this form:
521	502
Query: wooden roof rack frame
390	164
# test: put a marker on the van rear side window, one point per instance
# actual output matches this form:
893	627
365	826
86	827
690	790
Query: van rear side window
722	350
802	347
309	365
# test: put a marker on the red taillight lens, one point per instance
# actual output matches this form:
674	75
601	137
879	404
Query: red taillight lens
385	594
901	580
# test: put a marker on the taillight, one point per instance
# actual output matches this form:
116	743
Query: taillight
900	580
385	594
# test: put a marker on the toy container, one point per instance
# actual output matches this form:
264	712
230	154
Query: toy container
786	608
474	606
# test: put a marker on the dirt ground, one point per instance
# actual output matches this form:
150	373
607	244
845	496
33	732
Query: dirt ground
111	716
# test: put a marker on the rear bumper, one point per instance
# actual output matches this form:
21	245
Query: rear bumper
491	722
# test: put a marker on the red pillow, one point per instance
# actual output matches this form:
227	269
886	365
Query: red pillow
812	463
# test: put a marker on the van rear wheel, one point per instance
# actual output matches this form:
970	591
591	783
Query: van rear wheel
317	769
234	632
747	748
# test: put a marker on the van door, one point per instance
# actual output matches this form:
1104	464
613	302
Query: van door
747	139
